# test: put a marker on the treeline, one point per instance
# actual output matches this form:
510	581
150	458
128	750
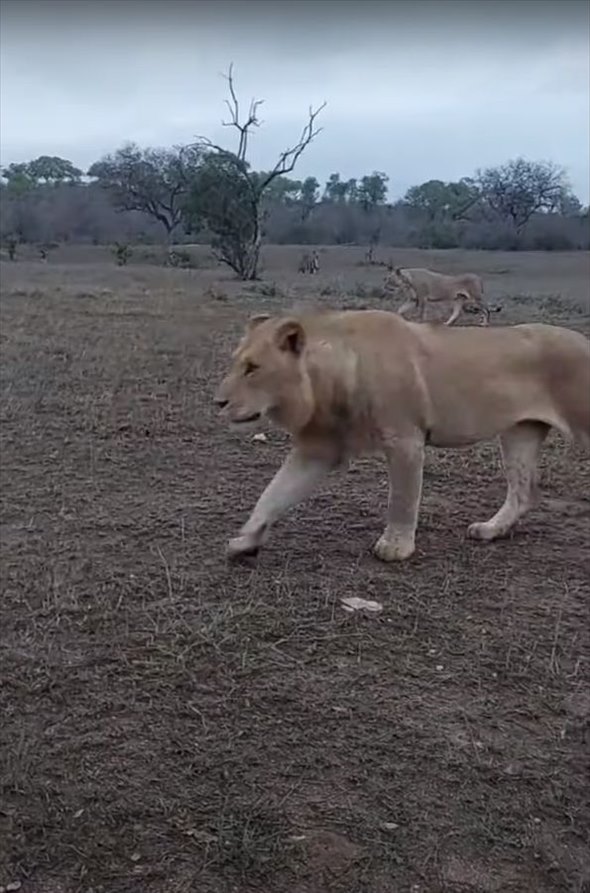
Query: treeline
211	194
140	195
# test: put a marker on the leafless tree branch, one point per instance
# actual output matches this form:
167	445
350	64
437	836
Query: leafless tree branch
239	243
288	159
251	121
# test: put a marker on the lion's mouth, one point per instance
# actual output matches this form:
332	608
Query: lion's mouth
247	418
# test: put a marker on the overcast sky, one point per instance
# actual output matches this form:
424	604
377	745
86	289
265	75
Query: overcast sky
420	90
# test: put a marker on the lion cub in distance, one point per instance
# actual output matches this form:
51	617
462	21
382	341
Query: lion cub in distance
353	382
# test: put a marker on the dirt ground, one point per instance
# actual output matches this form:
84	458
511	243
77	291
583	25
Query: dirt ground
173	723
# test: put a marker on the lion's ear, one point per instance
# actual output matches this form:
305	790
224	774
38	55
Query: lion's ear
291	336
256	320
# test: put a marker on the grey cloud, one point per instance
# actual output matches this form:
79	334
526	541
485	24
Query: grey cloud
421	89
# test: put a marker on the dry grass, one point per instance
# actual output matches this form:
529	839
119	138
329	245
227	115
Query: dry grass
172	723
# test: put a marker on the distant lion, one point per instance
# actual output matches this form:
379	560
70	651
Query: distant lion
353	382
423	286
310	263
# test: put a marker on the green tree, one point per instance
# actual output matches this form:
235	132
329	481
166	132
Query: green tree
517	190
282	190
443	201
309	196
154	181
45	170
18	178
570	205
352	190
373	190
222	196
53	170
335	189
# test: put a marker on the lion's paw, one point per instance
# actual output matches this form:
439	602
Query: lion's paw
482	531
243	546
393	550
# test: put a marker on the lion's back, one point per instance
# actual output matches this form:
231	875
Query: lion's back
532	371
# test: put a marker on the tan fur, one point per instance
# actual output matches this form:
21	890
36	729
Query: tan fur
352	382
310	263
425	286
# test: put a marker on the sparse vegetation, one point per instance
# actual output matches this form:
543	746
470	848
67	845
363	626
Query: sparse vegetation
173	724
212	194
122	254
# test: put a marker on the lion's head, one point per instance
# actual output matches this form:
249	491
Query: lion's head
394	279
268	376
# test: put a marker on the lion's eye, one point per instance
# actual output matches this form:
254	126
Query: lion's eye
250	368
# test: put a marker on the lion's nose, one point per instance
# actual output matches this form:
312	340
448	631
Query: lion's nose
219	401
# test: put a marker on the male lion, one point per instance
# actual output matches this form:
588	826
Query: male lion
352	382
423	286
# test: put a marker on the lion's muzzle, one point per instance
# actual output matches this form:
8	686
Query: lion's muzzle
242	419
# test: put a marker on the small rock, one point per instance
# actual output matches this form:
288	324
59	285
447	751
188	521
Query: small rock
135	857
390	826
353	603
12	886
260	438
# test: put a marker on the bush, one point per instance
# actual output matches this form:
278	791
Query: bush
552	242
122	253
182	259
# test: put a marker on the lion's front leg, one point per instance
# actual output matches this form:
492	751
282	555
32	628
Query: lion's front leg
411	302
407	305
405	460
297	479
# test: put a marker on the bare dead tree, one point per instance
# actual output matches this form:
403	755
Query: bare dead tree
231	204
234	109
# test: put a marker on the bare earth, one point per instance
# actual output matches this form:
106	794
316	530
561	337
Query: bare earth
172	723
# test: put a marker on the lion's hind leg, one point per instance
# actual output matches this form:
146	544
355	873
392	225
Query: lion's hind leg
485	312
457	308
520	451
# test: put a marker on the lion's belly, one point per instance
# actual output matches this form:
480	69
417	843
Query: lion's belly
435	291
468	418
